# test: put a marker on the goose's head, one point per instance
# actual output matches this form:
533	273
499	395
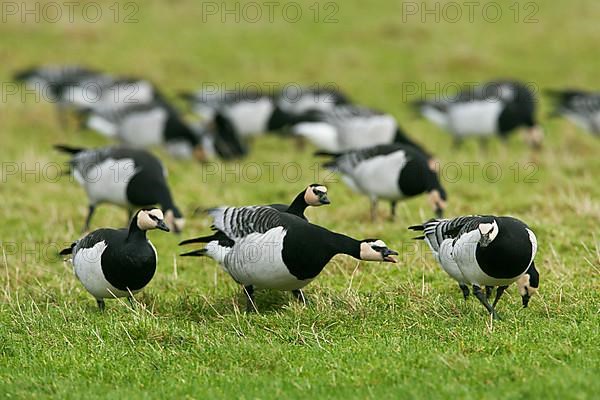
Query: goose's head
316	195
174	219
376	250
534	136
148	219
488	231
528	284
437	199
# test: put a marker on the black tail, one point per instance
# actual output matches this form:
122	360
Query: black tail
203	239
330	165
194	253
68	149
326	154
68	250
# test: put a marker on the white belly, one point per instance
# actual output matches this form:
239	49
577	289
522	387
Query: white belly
359	133
257	260
250	118
478	118
107	181
88	269
378	176
323	135
447	261
144	129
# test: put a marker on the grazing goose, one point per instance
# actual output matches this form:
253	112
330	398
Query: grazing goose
148	124
392	172
130	178
493	108
351	127
105	92
261	247
580	107
114	263
485	251
314	195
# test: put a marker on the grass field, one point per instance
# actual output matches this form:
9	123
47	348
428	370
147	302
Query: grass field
371	330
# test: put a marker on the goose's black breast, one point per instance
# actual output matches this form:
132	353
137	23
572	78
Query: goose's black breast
305	250
128	265
509	255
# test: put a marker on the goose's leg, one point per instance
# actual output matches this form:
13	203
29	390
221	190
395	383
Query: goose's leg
88	219
488	292
465	290
299	295
131	301
481	297
499	293
393	209
249	292
373	209
101	304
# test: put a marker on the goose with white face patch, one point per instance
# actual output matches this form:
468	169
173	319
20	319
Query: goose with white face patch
261	247
492	109
352	127
315	195
578	106
392	172
485	251
126	177
113	263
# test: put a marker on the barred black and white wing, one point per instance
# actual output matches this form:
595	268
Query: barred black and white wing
238	222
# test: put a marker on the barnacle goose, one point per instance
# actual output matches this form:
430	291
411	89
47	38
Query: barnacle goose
131	178
493	108
113	263
485	251
105	92
314	195
390	171
351	127
579	106
148	124
261	247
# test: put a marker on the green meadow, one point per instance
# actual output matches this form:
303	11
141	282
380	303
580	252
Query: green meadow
371	330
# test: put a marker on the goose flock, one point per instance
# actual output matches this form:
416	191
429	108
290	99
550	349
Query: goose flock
275	246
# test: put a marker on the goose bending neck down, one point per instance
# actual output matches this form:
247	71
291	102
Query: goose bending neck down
265	248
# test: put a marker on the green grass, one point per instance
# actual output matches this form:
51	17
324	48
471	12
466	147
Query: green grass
371	330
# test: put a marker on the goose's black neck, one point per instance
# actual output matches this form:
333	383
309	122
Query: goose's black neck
135	233
341	244
298	205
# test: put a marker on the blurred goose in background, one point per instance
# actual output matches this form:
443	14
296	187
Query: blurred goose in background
485	251
579	106
289	252
493	108
112	263
126	177
148	124
352	127
314	195
392	172
50	82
